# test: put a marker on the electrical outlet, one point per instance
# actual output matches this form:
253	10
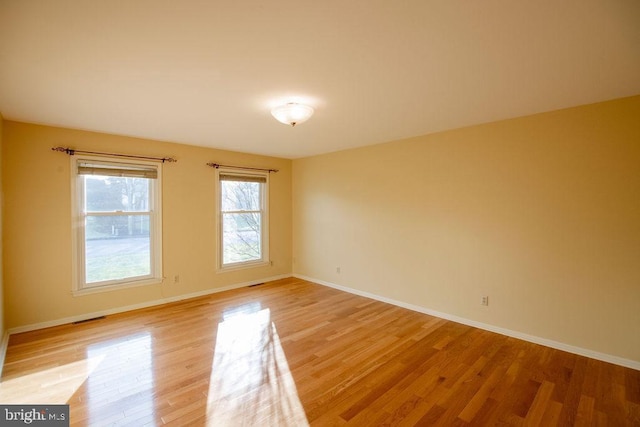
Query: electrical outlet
271	263
484	300
176	279
338	270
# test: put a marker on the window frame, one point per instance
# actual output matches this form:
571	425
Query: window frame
79	284
264	217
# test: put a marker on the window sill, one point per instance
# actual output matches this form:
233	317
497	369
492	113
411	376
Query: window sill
242	266
115	287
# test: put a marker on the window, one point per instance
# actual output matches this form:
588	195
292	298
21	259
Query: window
242	219
117	223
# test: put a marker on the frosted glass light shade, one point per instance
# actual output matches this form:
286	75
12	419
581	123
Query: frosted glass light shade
292	113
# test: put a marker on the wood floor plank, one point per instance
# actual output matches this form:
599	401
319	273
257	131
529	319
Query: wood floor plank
292	353
540	404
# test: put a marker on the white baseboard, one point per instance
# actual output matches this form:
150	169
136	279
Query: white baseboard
3	350
487	327
146	304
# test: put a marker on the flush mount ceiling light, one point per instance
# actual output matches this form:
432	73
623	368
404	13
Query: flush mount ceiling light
292	113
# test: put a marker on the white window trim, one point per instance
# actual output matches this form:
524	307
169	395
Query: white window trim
264	229
77	221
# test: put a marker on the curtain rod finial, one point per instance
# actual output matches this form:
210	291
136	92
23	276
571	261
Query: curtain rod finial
69	151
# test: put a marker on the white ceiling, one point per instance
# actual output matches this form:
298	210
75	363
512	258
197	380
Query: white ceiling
207	72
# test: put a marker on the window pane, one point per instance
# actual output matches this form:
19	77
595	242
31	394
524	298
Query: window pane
111	194
241	237
240	195
117	247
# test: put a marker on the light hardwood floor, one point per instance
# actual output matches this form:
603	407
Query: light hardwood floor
292	352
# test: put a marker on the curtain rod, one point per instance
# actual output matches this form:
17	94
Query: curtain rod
218	166
71	152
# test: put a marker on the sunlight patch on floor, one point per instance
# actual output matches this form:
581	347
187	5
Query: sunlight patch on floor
53	385
251	383
123	385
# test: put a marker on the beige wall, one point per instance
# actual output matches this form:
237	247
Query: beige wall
540	213
37	233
